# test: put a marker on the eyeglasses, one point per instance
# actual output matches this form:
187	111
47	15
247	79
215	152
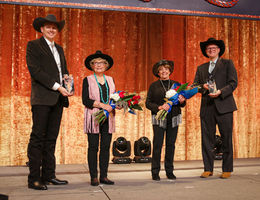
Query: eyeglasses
211	48
99	63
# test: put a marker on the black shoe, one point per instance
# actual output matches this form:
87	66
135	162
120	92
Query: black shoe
36	185
56	181
94	182
156	177
171	176
106	181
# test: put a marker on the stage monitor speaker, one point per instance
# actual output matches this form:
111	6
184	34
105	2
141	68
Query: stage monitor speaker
142	149
121	151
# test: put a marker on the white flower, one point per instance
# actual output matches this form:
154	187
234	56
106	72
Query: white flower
115	96
170	93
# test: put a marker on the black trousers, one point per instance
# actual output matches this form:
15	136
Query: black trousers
158	136
209	120
41	147
93	144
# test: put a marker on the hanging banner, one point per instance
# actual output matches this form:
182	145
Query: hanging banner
245	9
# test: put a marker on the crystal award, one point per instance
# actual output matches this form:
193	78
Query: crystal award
212	86
69	83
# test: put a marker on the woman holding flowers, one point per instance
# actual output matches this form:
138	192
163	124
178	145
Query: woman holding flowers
169	125
95	96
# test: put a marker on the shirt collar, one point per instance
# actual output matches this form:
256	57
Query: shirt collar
49	42
214	61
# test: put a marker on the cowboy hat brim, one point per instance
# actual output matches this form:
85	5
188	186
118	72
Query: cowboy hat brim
160	63
40	21
99	54
219	43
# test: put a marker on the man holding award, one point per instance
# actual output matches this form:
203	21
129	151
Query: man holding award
219	80
47	66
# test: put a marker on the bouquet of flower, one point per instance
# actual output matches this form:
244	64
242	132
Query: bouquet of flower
172	97
120	99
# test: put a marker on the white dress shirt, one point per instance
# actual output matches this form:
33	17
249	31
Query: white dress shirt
57	59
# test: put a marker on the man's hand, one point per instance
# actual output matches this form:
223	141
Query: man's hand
215	95
64	92
206	86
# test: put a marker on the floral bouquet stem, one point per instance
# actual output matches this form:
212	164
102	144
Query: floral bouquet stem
161	114
101	115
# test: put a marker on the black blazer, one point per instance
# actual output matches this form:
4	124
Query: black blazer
225	76
44	72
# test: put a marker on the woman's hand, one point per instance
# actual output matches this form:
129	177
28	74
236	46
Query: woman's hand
106	107
164	107
181	99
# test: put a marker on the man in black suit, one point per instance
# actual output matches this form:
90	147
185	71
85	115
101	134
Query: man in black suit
47	66
217	105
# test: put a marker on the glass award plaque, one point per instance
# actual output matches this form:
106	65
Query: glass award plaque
212	86
69	83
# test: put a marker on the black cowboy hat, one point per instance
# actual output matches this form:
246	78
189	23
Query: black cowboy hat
40	21
160	63
219	43
99	54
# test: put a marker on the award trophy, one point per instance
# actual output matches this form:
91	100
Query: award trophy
69	83
212	86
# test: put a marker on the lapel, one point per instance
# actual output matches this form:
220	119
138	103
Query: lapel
46	47
205	72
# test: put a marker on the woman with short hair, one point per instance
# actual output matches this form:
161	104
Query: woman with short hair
155	102
95	96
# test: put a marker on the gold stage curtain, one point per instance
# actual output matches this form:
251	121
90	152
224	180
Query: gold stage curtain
135	41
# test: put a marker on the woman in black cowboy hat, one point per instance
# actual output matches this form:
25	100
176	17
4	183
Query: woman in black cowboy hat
95	96
217	106
155	102
47	66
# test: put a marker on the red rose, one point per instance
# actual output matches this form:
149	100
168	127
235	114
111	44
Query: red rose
135	102
121	94
136	97
129	103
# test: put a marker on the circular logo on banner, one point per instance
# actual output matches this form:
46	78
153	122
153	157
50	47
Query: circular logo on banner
223	3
